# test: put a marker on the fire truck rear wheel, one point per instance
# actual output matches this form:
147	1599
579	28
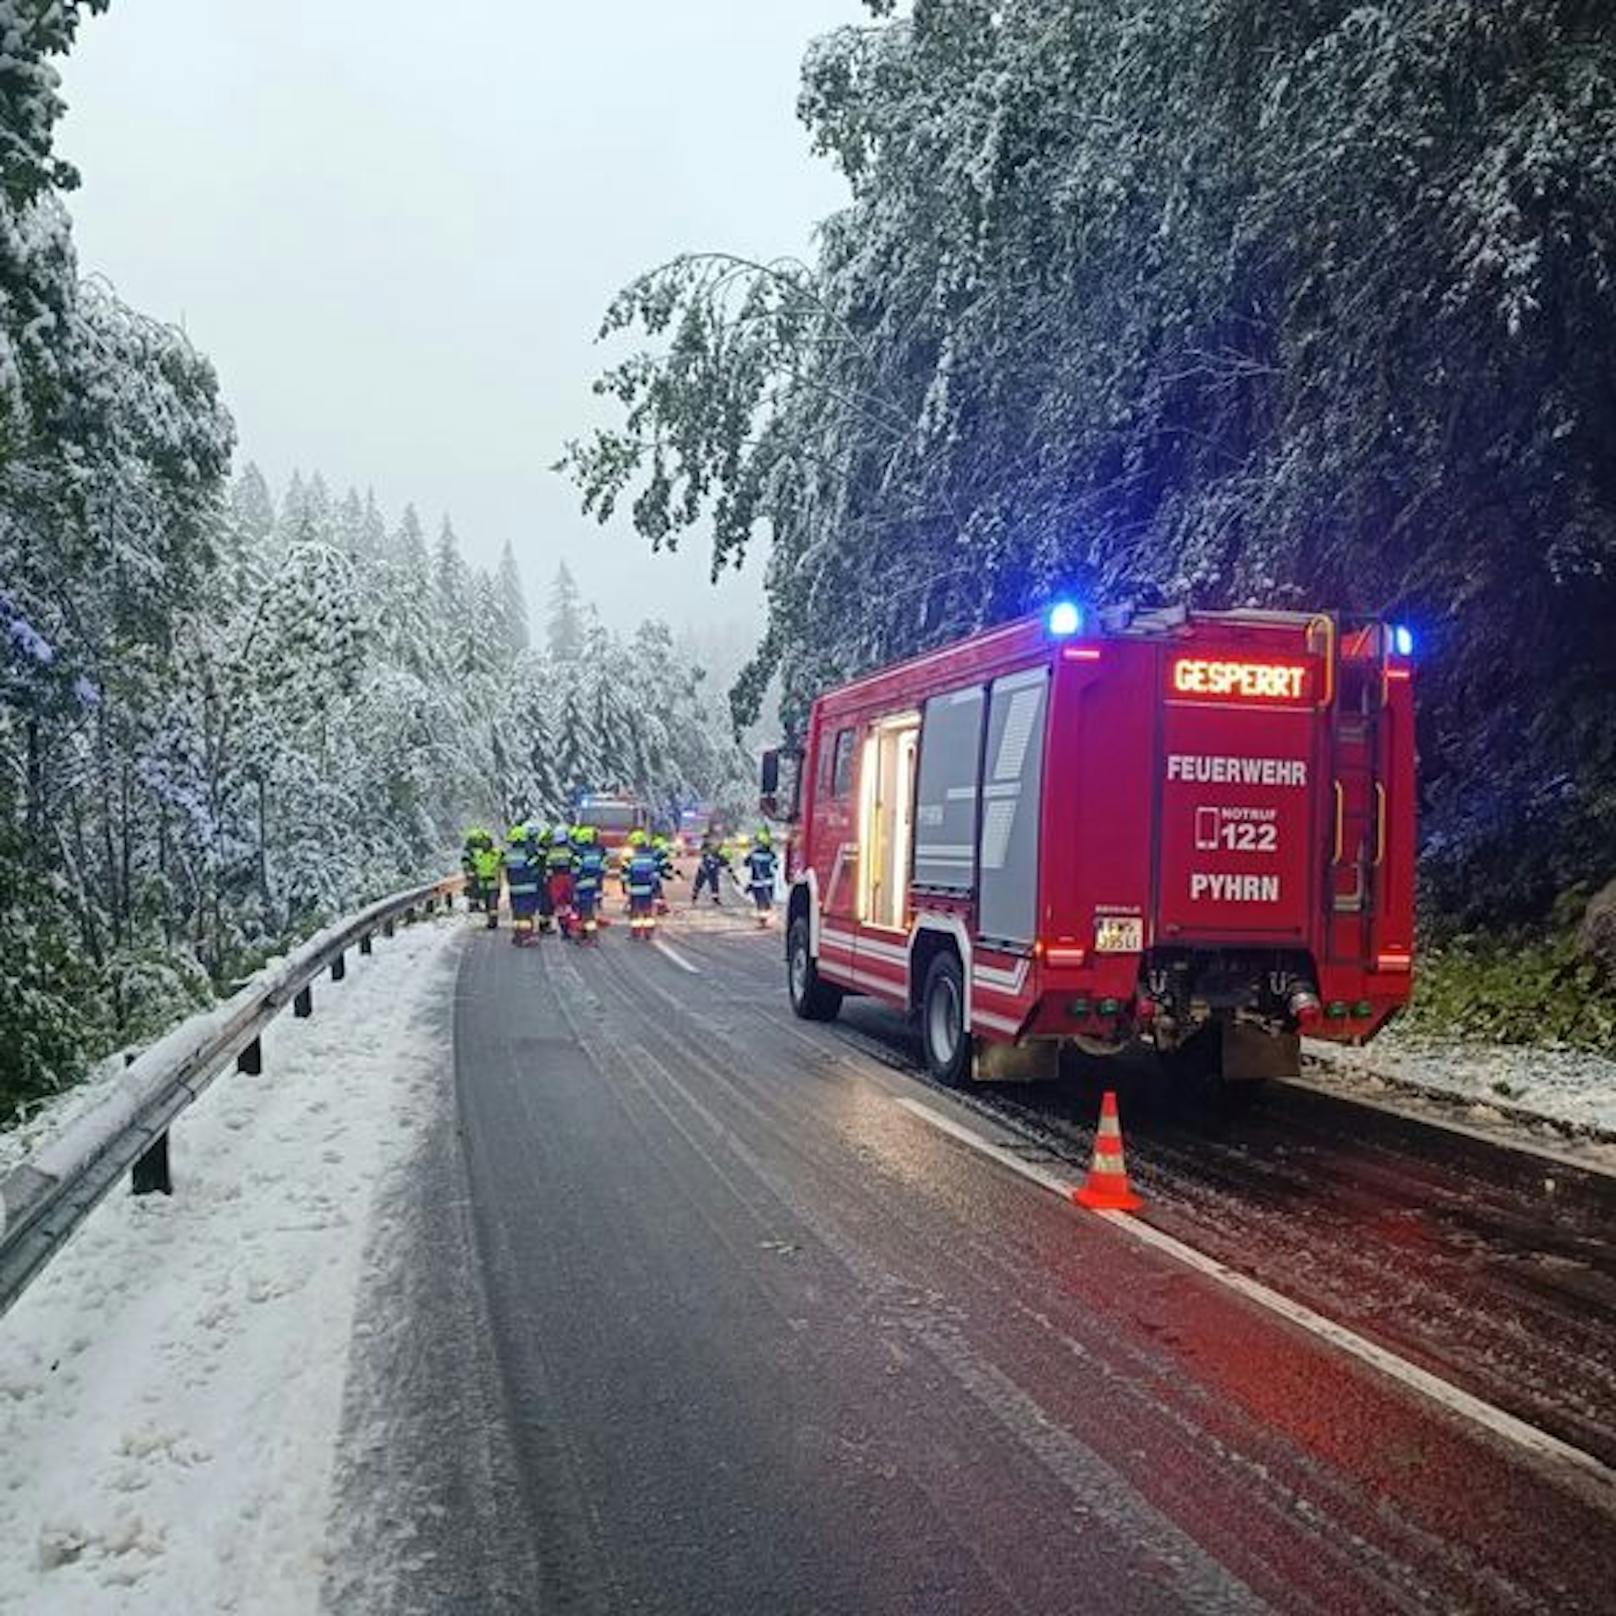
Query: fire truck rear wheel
943	1031
811	999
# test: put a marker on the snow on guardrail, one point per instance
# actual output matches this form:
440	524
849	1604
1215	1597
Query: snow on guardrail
45	1198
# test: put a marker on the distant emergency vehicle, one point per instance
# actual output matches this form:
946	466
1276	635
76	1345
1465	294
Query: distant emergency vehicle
613	816
1191	828
693	823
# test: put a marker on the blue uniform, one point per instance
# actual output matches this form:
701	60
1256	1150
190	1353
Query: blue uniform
712	861
589	871
644	875
522	878
761	864
643	879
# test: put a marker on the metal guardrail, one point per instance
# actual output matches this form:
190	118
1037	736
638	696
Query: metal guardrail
44	1199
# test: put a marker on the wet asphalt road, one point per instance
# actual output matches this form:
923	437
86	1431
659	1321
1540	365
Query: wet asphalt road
762	1340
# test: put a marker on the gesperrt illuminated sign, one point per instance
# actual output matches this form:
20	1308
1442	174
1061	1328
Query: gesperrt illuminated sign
1216	680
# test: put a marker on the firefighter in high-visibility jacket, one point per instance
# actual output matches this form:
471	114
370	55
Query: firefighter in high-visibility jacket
667	869
634	842
487	862
711	864
545	918
558	878
476	840
642	879
524	879
588	877
761	865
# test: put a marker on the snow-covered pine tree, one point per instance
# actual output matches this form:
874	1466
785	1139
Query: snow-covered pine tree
576	746
564	624
605	704
409	547
450	583
512	602
409	622
291	516
252	506
537	730
373	529
319	515
484	653
524	722
349	527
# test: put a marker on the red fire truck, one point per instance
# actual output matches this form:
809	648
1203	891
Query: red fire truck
613	815
1189	829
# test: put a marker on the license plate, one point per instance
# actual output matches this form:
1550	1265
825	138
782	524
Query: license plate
1119	934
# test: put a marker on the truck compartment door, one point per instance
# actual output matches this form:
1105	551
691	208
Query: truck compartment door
949	792
1237	848
886	821
1358	809
1012	804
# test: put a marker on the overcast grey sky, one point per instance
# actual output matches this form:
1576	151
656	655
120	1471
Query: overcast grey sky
394	225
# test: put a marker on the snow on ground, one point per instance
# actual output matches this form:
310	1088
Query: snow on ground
171	1386
1572	1091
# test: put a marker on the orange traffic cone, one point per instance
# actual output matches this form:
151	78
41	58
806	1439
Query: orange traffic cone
1107	1188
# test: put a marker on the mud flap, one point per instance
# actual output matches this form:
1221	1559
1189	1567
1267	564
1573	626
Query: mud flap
1251	1054
1036	1061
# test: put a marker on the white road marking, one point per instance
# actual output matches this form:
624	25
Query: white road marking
1442	1392
969	1136
668	951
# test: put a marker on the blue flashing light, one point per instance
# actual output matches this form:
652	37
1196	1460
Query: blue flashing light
1065	619
1402	640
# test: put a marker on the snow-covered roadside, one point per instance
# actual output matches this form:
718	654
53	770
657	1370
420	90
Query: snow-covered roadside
18	1143
171	1387
1569	1093
60	1111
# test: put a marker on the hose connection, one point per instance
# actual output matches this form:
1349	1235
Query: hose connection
1305	1008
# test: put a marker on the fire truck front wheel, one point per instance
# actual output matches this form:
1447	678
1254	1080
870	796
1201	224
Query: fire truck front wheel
942	1022
811	998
